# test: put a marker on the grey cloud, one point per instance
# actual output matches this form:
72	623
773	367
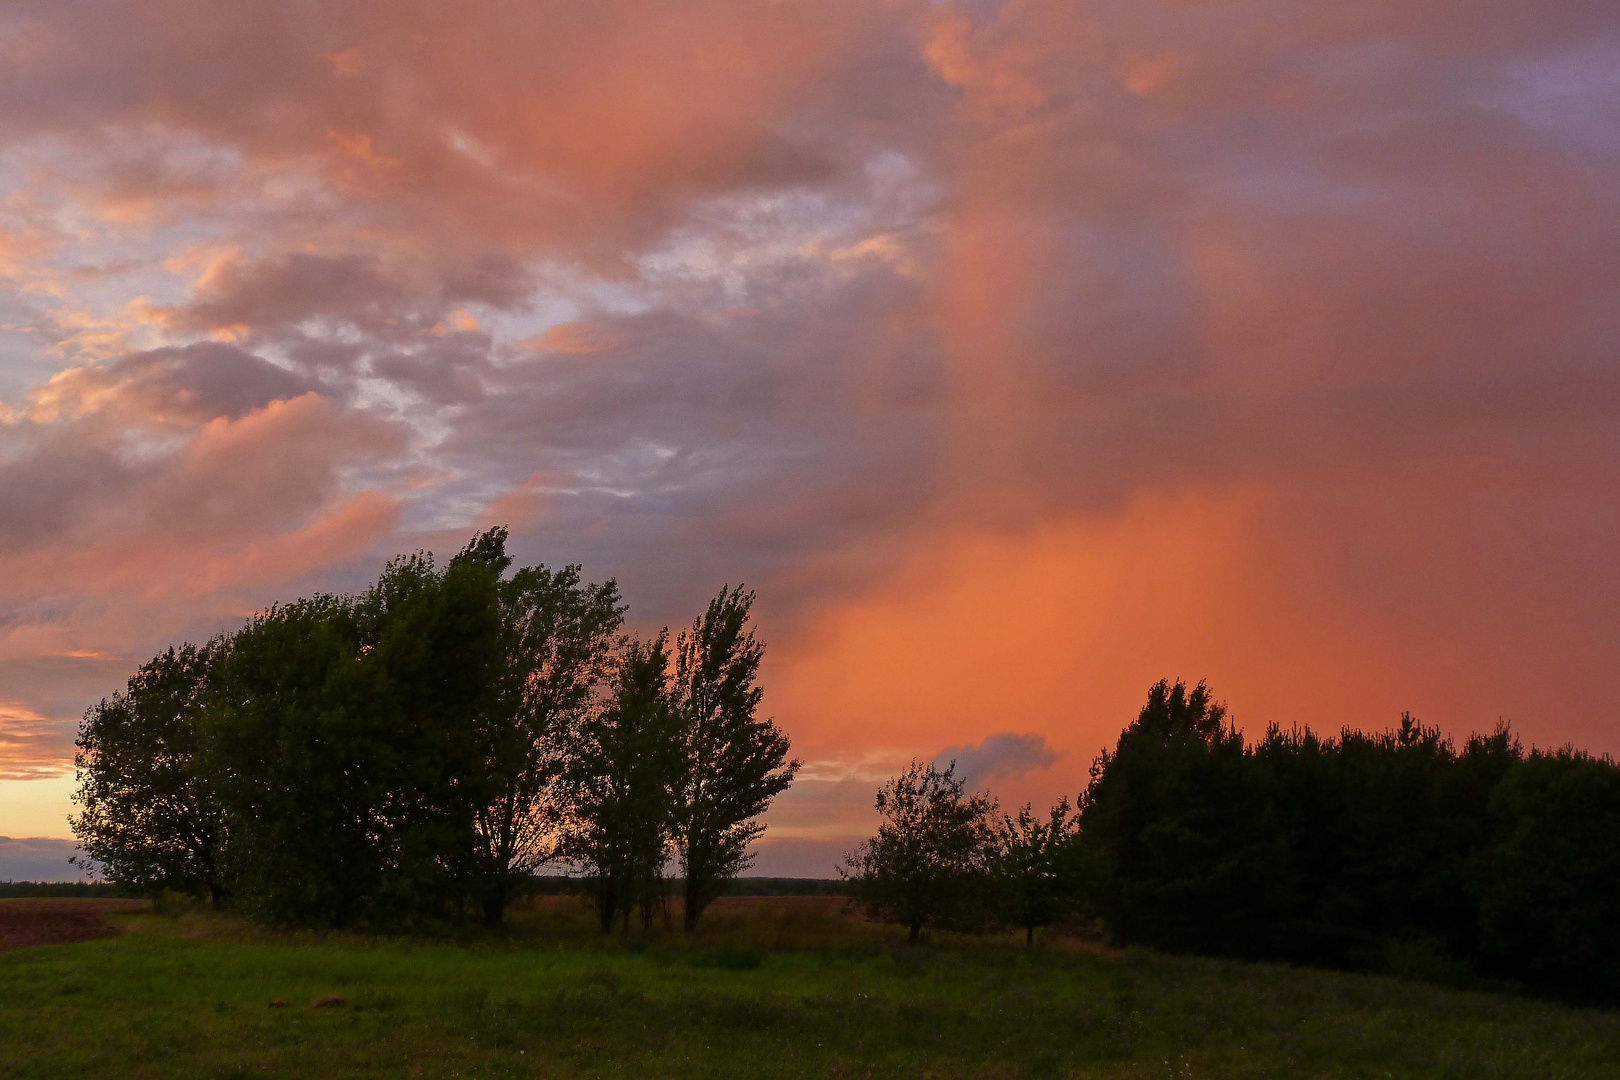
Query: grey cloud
191	383
39	859
58	486
694	454
284	290
799	857
1002	756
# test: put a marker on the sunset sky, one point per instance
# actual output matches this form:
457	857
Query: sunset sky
1017	353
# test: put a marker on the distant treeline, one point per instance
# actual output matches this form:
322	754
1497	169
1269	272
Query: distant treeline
417	751
11	890
1391	851
738	886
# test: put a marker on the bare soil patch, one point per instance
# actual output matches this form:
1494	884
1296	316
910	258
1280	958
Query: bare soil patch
56	922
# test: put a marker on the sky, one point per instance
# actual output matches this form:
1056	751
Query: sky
1018	354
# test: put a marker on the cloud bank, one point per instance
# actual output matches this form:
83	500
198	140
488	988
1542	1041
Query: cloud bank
1018	353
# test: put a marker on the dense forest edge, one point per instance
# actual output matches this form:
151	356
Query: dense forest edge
460	735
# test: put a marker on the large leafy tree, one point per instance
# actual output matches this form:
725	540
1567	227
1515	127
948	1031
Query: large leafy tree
1550	913
736	762
930	862
306	766
432	644
1183	828
148	814
622	771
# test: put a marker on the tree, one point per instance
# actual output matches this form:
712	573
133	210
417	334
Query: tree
930	860
148	816
392	755
307	766
1550	913
553	652
1036	868
433	647
735	762
1182	827
620	777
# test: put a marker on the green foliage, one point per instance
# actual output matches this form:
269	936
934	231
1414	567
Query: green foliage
931	860
735	762
1186	833
556	651
1038	870
1550	913
393	753
147	813
1385	851
622	771
63	889
307	766
388	758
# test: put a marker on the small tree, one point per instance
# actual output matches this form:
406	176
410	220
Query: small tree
619	777
930	860
735	762
1036	868
147	815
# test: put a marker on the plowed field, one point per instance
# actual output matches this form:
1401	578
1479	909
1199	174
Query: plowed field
53	922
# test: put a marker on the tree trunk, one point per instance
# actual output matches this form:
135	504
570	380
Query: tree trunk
494	905
693	908
1029	937
916	931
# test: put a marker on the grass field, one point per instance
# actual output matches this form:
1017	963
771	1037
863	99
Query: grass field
774	987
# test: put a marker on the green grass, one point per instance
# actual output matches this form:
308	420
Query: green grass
771	989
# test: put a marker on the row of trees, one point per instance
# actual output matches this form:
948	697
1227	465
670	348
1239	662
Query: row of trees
425	746
1366	851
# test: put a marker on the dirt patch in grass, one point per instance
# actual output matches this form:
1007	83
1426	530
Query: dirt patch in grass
55	922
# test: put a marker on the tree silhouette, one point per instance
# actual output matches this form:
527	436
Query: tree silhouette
555	650
1183	826
735	763
930	860
1037	868
619	781
148	816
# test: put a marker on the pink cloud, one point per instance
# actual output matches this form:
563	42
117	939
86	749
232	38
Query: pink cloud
1077	345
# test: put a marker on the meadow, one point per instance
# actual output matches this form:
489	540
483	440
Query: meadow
769	987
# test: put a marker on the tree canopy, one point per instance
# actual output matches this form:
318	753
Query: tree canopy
423	747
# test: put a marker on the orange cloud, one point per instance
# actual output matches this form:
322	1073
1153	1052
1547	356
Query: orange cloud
1018	353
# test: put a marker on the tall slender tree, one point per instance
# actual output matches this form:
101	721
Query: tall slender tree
735	761
621	774
555	652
